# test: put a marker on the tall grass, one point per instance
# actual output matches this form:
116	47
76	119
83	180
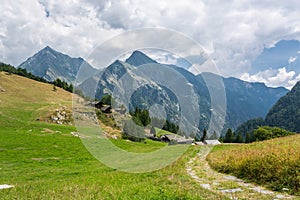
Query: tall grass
274	163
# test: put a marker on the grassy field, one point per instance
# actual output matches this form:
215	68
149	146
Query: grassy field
138	147
44	161
274	163
160	132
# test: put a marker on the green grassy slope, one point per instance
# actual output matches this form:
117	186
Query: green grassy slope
274	163
43	161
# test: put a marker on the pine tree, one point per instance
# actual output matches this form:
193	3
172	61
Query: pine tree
228	136
239	138
248	138
106	99
204	135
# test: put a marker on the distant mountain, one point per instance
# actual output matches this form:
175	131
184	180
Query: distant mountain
247	100
138	58
244	100
51	64
286	112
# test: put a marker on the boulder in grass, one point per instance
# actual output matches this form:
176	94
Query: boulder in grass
5	186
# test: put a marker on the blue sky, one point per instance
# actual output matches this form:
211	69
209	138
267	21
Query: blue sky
278	65
285	53
237	35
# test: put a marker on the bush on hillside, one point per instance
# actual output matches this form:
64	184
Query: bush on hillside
133	132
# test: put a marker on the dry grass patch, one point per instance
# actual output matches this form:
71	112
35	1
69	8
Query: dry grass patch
274	163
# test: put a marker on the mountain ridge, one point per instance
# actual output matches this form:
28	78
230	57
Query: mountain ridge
286	111
245	100
51	64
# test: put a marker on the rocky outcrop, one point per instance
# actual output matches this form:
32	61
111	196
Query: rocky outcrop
62	116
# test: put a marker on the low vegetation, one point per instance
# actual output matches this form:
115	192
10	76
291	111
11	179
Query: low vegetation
108	121
274	163
259	133
266	133
133	132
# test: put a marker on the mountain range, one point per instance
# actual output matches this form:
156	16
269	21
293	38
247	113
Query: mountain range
245	100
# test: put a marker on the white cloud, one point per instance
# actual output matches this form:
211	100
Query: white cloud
207	66
274	78
233	33
292	59
71	27
157	55
163	57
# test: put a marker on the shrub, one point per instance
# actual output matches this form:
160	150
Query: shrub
133	131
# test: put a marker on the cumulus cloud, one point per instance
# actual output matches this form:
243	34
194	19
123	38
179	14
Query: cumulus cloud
68	26
274	78
233	33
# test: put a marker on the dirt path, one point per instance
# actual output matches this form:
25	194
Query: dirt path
230	186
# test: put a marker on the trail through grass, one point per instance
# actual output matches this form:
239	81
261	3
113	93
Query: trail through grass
274	163
230	186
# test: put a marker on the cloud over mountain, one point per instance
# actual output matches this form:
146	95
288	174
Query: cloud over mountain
274	77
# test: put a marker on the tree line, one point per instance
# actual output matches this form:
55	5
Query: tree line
23	72
63	84
259	133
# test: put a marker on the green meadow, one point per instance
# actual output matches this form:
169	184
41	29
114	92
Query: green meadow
44	161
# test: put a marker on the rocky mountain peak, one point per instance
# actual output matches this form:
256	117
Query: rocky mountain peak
138	58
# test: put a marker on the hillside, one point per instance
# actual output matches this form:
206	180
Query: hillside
45	161
286	112
20	94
